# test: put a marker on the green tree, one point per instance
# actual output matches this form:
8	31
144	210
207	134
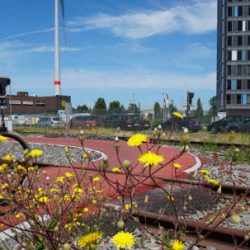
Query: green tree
172	108
157	111
82	109
100	106
115	107
213	107
133	108
199	110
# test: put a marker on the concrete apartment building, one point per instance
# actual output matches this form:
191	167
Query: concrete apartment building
233	57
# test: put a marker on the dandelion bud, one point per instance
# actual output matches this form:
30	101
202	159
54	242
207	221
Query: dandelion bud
237	150
146	199
235	218
126	163
246	237
120	223
66	246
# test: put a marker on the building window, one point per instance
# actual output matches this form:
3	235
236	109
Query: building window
233	84
243	55
239	70
234	55
240	11
248	84
229	70
230	11
240	26
248	99
244	25
239	55
236	11
228	99
244	99
238	99
239	42
229	26
238	84
228	84
229	41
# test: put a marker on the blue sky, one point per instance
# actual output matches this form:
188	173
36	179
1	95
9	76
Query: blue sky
116	49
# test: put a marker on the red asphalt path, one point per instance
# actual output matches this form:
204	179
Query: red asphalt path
186	160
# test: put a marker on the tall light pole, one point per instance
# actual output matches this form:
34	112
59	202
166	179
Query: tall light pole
57	82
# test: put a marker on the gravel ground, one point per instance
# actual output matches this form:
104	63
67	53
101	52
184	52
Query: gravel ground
49	152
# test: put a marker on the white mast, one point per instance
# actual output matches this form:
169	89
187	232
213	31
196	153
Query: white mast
57	82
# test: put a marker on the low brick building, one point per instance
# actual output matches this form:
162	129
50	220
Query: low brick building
22	103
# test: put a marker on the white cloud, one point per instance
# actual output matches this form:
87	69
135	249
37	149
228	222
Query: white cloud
50	49
26	34
195	18
81	79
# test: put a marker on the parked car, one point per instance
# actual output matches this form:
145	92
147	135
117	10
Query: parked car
44	122
57	122
220	125
191	124
125	121
83	121
239	126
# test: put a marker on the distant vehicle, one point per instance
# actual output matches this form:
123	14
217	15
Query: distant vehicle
57	122
83	121
44	122
220	126
239	126
191	124
125	121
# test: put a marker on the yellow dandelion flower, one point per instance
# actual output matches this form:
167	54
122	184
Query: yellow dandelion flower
214	182
178	245
116	170
137	140
127	206
4	186
43	199
78	190
66	149
1	197
204	172
96	178
69	175
85	209
18	215
60	179
3	167
34	153
67	197
21	170
85	155
150	159
89	239
94	201
8	157
54	190
123	240
177	165
3	138
178	115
